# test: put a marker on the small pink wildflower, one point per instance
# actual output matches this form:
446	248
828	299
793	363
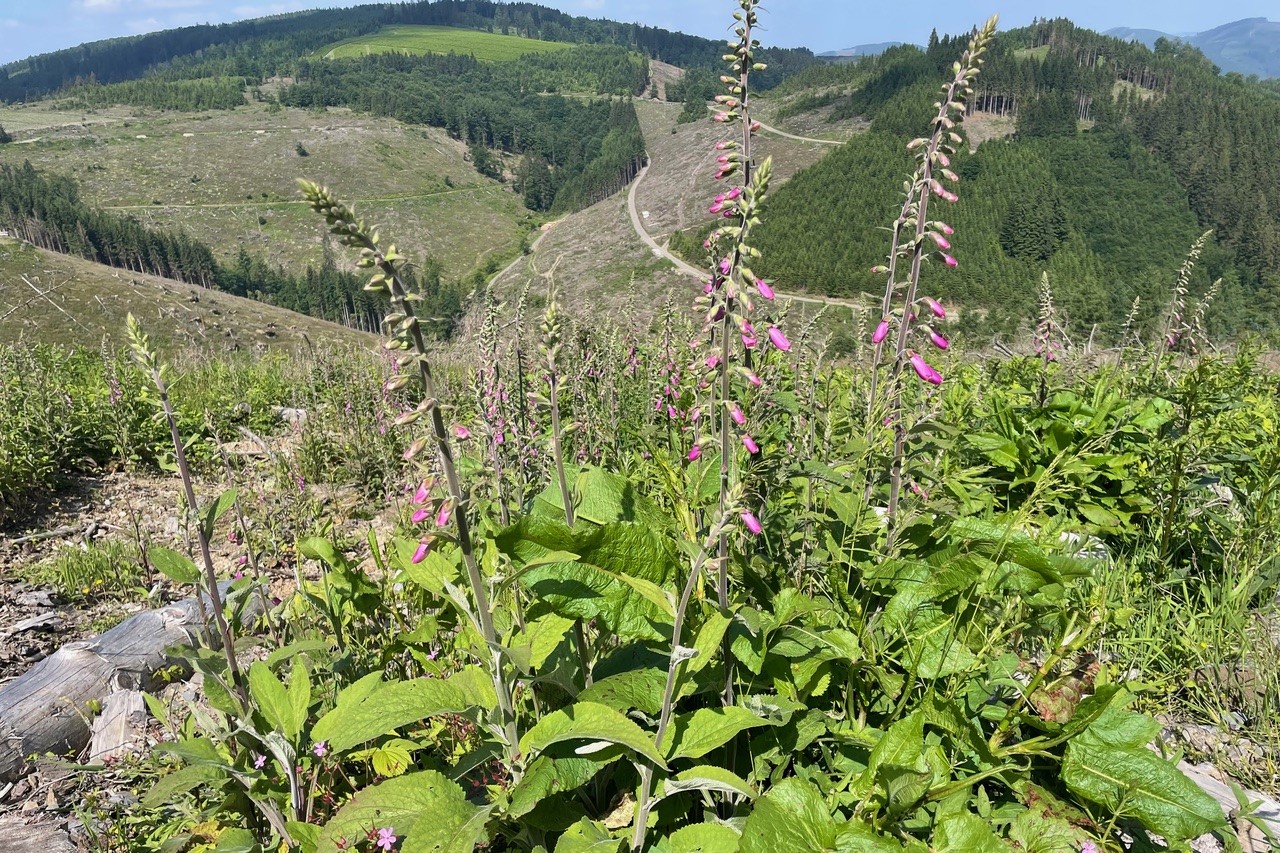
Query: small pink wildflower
752	523
259	761
778	339
320	749
386	838
1088	847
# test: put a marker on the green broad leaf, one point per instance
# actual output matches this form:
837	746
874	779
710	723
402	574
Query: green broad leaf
966	833
1147	786
654	594
791	816
400	804
637	688
857	837
176	567
306	835
216	510
605	498
695	734
547	776
901	745
433	573
590	586
1099	516
452	835
299	694
273	701
588	836
293	649
708	642
237	841
392	758
705	838
707	778
196	750
390	706
590	722
180	781
1119	727
321	549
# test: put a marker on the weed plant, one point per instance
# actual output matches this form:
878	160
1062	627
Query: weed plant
699	588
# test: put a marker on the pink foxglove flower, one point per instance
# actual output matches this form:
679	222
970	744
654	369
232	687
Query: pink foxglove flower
752	523
938	340
735	412
443	514
763	288
948	260
750	444
420	553
940	240
924	371
421	495
695	453
778	339
882	332
935	306
420	515
461	433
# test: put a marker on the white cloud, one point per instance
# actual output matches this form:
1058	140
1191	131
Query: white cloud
9	23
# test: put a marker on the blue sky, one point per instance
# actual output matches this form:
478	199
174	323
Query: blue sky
37	26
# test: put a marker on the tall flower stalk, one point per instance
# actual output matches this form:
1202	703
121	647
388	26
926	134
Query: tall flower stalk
729	294
405	337
915	239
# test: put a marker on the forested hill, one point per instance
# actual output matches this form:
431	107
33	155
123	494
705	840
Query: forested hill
1119	158
266	47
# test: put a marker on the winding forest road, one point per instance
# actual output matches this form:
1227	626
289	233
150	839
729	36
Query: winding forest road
771	129
680	265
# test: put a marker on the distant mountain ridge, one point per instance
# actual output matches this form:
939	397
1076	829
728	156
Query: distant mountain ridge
1247	46
860	50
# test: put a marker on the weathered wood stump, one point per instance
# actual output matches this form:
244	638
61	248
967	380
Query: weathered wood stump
46	709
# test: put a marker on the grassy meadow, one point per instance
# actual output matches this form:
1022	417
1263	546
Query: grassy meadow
419	40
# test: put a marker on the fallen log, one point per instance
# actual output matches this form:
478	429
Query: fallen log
46	709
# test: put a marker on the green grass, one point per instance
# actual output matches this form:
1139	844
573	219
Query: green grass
1038	53
417	40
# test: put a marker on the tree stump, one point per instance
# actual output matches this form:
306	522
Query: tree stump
46	709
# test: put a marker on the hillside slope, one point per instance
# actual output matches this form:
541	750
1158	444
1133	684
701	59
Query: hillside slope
228	177
50	298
